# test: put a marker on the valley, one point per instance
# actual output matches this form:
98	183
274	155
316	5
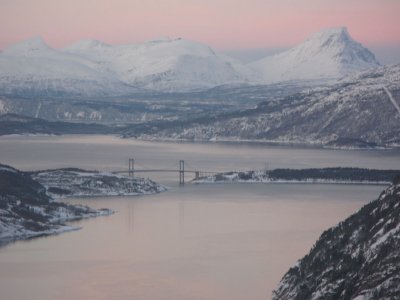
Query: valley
324	111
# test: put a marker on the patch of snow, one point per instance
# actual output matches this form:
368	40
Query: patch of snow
80	114
2	107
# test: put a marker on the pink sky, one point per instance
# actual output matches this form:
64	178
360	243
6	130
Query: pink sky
223	24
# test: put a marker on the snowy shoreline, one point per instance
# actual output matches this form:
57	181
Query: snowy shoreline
338	175
316	144
71	182
205	181
14	232
28	207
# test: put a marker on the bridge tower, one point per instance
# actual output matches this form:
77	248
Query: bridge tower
131	170
181	172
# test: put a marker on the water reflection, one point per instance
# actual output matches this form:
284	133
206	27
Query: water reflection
196	242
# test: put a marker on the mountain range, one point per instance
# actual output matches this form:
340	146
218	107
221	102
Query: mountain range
92	68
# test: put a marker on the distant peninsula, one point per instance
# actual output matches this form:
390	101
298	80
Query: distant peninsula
323	175
28	208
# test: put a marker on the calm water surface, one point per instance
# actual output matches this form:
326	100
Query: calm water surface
193	242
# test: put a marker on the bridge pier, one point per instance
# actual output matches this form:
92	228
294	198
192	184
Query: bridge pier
182	172
131	171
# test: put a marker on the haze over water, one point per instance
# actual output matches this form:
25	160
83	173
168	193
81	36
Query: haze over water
193	242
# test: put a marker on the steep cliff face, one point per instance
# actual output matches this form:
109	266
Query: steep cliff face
357	259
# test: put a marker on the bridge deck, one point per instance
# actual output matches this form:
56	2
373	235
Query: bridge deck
164	170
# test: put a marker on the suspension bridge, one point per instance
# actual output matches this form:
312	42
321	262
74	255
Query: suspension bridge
181	169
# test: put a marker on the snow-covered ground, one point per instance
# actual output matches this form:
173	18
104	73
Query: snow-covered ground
30	221
60	183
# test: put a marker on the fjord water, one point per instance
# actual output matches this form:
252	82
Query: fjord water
194	242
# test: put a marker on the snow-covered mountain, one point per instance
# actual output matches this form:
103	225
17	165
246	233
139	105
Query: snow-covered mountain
33	68
328	54
93	68
163	64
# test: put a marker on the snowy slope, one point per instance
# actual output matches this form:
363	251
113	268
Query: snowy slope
164	64
331	53
32	67
355	111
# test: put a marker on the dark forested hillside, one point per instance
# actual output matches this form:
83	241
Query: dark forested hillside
357	259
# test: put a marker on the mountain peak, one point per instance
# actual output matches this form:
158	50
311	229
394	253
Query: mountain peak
87	44
332	37
331	32
336	45
329	53
29	46
161	39
178	47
